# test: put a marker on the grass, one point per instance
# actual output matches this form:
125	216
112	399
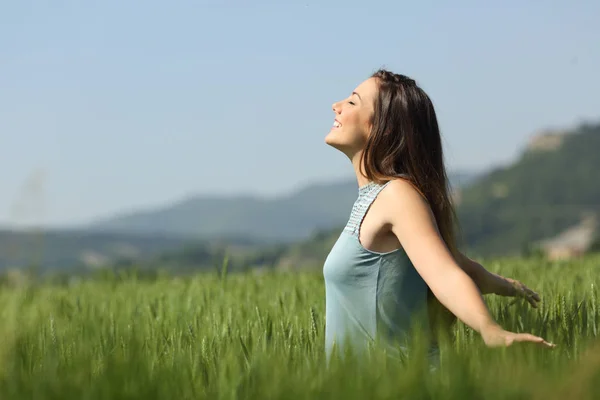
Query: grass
251	336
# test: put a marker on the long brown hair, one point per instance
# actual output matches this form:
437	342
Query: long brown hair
405	143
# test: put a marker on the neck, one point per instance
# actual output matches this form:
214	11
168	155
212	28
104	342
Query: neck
356	163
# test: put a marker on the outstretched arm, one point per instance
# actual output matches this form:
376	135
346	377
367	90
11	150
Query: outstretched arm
488	282
414	225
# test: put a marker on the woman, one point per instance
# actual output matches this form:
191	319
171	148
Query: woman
398	249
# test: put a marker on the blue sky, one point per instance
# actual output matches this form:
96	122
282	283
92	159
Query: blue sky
116	105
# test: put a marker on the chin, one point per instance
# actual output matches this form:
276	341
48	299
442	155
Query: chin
332	141
336	145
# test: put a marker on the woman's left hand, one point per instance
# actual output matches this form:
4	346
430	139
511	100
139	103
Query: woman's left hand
488	282
520	290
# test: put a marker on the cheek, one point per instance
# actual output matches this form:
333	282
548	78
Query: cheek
366	124
362	126
355	121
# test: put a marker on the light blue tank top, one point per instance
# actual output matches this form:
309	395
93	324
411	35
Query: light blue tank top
369	295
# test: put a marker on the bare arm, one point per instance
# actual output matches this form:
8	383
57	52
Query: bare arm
414	225
488	282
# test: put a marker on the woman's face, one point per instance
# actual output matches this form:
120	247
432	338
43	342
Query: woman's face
353	119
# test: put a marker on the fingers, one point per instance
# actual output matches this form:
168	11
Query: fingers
507	339
528	299
529	295
522	291
533	295
532	301
547	344
527	337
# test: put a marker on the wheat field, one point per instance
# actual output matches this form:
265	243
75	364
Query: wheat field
260	336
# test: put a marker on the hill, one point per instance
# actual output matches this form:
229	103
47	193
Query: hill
547	197
191	234
67	250
551	188
281	219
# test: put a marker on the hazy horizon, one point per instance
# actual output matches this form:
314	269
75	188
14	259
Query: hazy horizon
90	94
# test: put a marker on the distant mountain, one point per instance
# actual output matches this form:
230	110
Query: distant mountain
286	218
546	196
193	232
554	186
69	249
549	197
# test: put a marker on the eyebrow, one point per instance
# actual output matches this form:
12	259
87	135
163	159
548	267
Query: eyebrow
357	95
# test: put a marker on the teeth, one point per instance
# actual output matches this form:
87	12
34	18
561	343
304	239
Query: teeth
336	124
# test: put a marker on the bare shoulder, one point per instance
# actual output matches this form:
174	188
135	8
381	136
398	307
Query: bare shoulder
402	199
400	191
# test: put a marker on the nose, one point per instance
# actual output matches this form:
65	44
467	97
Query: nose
335	107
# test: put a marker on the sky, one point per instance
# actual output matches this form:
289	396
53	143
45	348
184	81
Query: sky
111	106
